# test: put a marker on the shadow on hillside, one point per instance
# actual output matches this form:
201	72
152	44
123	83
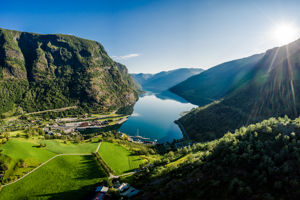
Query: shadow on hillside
84	193
90	169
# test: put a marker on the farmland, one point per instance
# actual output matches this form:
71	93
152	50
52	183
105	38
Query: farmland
30	154
118	158
65	177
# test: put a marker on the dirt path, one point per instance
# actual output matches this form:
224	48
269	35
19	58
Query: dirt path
98	147
111	176
53	110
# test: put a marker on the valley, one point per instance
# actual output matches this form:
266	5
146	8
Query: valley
76	123
65	161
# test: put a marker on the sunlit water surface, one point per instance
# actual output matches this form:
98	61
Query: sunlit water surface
154	116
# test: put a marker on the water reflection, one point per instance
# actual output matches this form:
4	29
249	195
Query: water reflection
153	116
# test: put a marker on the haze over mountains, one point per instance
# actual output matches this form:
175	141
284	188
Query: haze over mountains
248	90
217	81
39	72
164	80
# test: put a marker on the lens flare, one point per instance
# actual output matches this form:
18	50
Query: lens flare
285	33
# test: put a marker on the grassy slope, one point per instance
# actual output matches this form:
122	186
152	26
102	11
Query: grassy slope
65	177
18	149
29	151
118	158
25	149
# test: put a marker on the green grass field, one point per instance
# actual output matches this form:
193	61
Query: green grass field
118	158
65	177
21	148
15	133
25	149
29	151
58	147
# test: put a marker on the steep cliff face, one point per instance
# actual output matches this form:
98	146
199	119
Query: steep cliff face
39	72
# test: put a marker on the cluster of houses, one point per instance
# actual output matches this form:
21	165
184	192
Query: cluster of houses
93	124
73	127
124	189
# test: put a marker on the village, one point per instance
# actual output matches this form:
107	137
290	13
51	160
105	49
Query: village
75	126
66	126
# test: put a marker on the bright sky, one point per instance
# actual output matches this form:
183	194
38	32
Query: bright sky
151	36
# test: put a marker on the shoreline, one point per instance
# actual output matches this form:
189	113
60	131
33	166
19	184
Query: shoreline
183	131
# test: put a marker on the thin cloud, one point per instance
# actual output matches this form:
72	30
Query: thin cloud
126	57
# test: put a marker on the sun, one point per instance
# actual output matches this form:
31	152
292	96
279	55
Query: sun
284	33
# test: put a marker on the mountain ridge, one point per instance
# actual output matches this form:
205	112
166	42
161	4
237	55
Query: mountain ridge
45	71
165	79
215	82
271	90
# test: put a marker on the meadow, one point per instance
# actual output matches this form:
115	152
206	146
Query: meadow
118	158
58	147
28	151
65	177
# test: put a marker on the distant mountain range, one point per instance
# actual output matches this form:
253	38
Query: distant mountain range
247	90
40	72
164	80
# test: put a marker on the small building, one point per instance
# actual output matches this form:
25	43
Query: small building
123	186
84	124
102	189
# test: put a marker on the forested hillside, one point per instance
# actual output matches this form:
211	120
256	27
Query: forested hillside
39	72
272	89
217	81
260	161
164	80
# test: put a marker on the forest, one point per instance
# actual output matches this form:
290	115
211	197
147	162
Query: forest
260	161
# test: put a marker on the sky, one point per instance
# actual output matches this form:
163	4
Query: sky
151	36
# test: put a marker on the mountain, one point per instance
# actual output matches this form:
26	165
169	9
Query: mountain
271	89
164	80
40	72
260	161
217	81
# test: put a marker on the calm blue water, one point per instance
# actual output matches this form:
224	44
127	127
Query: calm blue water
154	116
